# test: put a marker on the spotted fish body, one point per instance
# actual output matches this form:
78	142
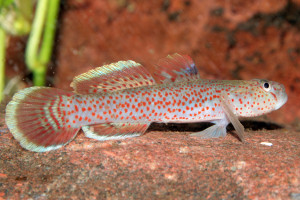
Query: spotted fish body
120	100
193	101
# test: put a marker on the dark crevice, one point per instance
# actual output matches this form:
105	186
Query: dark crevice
258	125
165	5
196	127
21	178
173	16
217	12
260	22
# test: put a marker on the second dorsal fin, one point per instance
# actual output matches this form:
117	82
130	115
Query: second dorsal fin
174	68
116	76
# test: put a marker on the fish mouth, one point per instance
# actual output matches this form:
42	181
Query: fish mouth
281	101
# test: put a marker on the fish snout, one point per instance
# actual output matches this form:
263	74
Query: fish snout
281	96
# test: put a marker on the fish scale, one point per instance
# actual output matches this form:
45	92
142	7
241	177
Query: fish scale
120	100
192	102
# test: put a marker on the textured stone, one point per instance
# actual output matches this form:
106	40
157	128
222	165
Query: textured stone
158	165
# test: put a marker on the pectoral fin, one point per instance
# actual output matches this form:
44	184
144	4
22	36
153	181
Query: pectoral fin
231	116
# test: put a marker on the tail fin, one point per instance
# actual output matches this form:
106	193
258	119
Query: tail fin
35	119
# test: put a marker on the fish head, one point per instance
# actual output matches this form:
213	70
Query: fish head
257	97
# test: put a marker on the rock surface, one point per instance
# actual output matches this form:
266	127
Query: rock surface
159	165
227	39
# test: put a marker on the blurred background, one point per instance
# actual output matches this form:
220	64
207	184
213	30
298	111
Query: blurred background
232	39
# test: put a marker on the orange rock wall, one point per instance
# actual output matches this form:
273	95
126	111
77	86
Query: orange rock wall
233	39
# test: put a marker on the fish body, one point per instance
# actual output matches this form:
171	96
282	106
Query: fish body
120	100
190	101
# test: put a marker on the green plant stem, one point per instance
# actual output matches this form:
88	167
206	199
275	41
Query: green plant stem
49	31
2	61
34	41
44	23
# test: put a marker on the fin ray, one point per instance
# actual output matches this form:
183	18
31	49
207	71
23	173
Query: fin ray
174	68
26	123
116	76
114	131
231	116
215	131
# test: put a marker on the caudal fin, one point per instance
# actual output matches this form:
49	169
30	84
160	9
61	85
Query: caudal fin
35	118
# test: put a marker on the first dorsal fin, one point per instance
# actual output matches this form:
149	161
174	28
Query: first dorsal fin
174	68
116	76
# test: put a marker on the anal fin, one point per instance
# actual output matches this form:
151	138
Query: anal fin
115	131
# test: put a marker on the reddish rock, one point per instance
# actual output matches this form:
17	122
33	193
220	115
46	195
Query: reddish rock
158	165
98	32
225	39
297	2
15	63
239	11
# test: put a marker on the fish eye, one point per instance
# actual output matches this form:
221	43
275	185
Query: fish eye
267	86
